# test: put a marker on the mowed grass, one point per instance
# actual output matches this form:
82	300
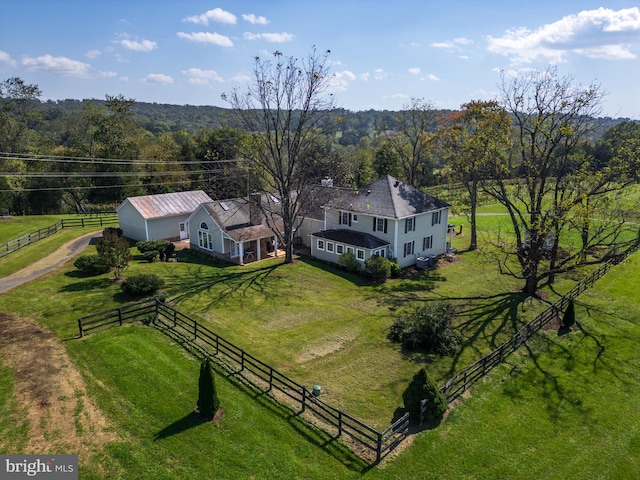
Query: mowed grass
313	322
148	386
563	407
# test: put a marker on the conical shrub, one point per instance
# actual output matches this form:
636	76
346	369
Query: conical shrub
569	318
419	388
208	402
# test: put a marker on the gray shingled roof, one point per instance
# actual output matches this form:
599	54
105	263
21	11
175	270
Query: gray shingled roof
233	215
387	197
167	204
350	237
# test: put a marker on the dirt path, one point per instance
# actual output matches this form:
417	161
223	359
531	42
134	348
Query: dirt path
50	393
48	263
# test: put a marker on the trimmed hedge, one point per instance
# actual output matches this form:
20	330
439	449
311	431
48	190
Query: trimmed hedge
144	284
91	264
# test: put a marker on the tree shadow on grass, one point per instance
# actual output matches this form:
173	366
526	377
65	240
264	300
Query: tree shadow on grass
187	422
266	398
91	284
214	286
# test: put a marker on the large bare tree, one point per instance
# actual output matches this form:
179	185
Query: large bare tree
551	182
286	111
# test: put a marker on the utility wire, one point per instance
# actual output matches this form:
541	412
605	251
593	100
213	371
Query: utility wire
107	161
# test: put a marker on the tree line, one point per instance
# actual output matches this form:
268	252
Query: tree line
541	149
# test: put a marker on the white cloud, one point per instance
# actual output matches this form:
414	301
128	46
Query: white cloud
107	74
158	79
432	77
6	58
401	96
380	74
240	78
462	41
251	18
93	54
207	37
339	81
414	71
201	77
57	65
365	76
444	45
601	33
270	37
143	46
215	15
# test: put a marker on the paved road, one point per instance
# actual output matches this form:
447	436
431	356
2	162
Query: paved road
48	263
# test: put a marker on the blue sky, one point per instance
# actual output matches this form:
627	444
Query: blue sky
382	52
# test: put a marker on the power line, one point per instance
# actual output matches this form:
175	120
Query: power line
107	161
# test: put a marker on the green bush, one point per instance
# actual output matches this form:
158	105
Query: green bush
112	231
151	256
349	262
164	248
429	327
91	264
145	284
208	401
421	387
569	318
377	268
395	268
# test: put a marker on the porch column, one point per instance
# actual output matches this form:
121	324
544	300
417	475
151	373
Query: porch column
258	255
241	247
275	246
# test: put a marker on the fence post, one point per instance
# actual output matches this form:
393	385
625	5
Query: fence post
241	360
339	422
80	327
379	447
304	399
195	330
120	315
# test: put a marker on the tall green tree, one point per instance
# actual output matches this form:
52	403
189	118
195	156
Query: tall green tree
208	401
547	181
287	111
19	113
114	252
413	141
473	141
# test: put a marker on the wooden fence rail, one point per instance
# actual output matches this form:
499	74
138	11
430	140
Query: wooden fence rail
462	380
262	376
32	237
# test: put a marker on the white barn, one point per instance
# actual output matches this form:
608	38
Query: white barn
163	216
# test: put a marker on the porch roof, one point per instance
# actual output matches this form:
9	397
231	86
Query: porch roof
350	237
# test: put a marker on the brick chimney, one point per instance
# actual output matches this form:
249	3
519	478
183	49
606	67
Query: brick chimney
255	212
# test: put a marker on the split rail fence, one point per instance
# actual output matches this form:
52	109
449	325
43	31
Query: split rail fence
462	380
237	361
32	237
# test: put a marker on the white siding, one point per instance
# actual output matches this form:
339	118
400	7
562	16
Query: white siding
131	223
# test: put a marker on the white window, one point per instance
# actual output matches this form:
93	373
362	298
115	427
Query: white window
235	249
339	249
330	247
345	218
436	217
409	225
320	244
360	254
427	242
380	225
408	248
349	249
204	240
379	253
354	218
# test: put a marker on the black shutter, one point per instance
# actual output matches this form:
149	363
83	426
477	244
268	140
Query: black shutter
349	218
406	225
374	223
385	225
339	218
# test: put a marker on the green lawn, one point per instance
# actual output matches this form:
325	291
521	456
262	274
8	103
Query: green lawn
566	407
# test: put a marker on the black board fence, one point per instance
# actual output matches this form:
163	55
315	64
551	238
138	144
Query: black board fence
42	233
362	438
462	380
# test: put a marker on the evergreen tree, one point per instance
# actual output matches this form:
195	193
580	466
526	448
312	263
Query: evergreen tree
569	318
419	388
208	402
